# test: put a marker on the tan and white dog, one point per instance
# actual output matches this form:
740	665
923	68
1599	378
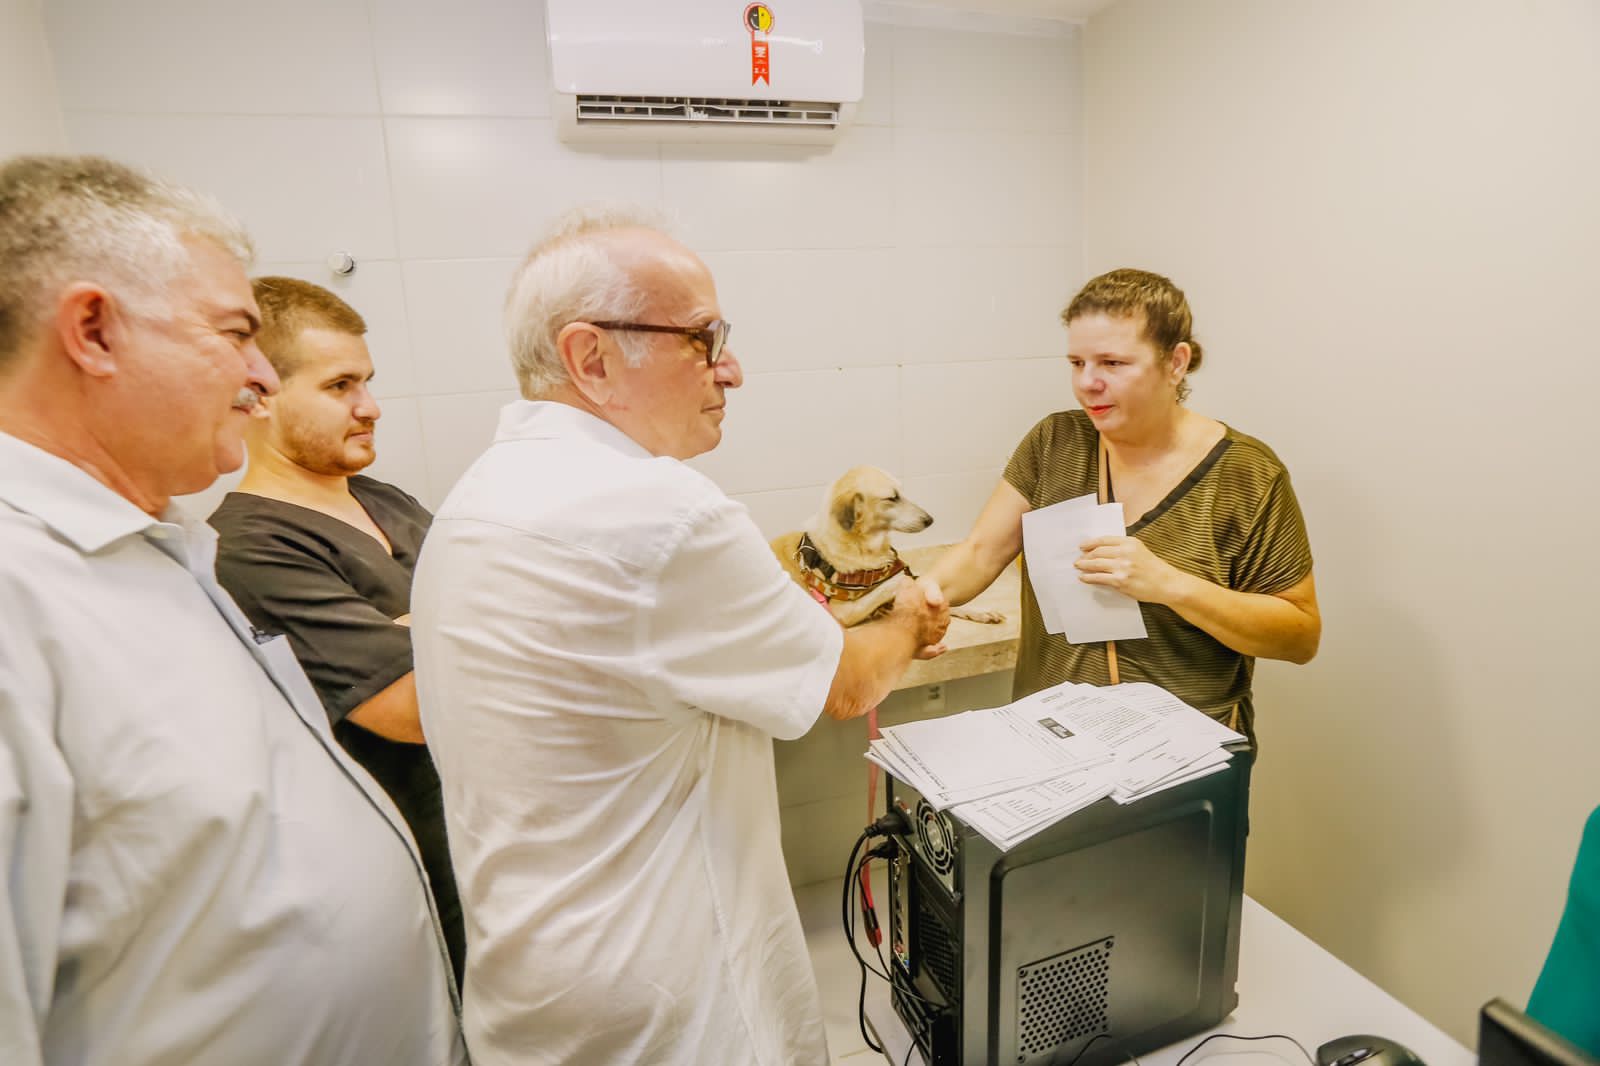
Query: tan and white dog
844	557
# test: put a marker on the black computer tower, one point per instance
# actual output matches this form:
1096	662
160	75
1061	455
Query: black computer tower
1118	920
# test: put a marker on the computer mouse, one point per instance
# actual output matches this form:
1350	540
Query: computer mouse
1367	1050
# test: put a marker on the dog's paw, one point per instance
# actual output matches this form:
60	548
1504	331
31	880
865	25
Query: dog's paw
988	618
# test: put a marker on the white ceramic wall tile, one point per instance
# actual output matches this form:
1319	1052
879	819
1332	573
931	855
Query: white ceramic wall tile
374	291
816	836
793	430
950	80
400	458
456	323
209	58
782	510
954	500
877	88
455	431
965	304
784	196
985	188
471	57
970	416
486	187
800	309
825	763
304	186
890	292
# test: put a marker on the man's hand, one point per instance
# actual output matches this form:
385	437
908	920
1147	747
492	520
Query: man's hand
874	654
921	607
1129	566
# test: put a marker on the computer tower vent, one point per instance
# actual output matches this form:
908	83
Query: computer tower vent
1063	998
935	946
936	837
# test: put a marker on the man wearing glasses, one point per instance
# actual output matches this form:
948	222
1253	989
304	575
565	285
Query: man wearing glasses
605	648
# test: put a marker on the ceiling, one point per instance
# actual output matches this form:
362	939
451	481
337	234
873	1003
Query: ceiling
1064	10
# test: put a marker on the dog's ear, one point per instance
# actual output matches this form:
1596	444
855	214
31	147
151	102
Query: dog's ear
844	511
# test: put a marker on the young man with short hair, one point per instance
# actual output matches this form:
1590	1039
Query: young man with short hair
312	549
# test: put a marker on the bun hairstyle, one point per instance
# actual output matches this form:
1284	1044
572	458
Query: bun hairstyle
1167	319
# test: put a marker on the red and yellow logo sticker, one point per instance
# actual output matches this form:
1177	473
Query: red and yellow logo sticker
758	20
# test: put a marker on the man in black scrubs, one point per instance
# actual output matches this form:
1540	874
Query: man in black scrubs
311	549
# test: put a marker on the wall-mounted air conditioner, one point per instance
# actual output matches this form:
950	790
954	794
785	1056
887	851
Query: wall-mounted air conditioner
787	71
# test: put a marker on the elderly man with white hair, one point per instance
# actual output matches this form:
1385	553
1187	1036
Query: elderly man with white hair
605	648
195	872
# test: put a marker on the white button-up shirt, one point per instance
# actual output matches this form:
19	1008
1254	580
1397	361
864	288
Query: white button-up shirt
605	649
194	872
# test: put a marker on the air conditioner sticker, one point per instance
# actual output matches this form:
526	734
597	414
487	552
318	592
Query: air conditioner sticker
758	20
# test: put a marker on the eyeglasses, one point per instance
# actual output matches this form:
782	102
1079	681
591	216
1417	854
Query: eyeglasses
712	336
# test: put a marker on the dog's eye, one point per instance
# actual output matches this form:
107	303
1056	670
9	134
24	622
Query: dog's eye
895	498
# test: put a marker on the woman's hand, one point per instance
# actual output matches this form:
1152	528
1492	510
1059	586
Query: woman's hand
1129	566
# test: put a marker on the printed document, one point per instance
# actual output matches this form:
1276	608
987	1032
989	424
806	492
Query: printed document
1010	772
1083	613
981	753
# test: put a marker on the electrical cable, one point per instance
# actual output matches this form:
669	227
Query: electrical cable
1231	1036
882	975
847	918
891	824
1086	1047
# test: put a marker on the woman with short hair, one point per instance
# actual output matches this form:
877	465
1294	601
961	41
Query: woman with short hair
1216	551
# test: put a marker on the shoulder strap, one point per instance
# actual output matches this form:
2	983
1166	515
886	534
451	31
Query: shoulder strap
1103	494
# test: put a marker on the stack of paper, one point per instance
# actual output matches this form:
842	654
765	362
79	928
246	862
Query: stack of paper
1012	771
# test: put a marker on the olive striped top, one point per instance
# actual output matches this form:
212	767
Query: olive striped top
1233	521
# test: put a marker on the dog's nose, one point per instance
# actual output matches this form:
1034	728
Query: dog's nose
927	520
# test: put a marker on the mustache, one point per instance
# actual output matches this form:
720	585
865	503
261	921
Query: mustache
246	399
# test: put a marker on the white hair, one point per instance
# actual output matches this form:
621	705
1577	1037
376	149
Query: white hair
571	277
83	218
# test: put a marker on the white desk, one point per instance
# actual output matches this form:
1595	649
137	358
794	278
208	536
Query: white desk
1287	984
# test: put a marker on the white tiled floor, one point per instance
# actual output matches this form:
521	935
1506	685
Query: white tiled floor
836	970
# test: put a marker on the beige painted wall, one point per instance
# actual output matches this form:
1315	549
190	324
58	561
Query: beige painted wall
1385	214
30	107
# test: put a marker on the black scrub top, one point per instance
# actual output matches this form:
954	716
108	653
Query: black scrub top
335	593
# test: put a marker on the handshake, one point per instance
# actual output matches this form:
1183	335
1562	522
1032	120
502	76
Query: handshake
921	609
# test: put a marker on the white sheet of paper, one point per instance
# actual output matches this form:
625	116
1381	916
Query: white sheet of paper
1008	819
1083	613
976	754
1204	768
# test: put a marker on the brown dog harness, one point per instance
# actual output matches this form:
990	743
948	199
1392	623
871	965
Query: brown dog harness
823	580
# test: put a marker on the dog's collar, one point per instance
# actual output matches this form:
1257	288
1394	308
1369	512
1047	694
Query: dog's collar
820	575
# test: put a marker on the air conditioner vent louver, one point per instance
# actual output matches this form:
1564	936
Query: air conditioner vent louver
593	109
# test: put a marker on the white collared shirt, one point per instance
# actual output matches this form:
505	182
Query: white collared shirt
194	871
605	648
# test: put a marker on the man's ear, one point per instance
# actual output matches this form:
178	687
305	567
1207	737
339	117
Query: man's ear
584	355
92	328
844	511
